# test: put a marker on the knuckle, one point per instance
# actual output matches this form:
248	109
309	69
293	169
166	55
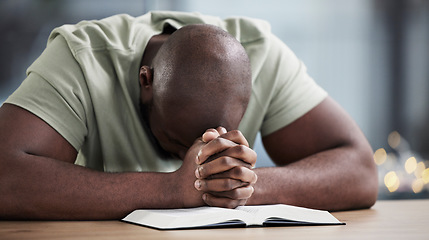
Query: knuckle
209	200
241	193
225	161
214	142
237	172
224	142
231	204
221	141
234	194
240	149
254	155
249	191
255	178
236	133
242	202
228	184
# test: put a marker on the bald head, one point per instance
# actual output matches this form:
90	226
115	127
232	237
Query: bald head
202	64
201	79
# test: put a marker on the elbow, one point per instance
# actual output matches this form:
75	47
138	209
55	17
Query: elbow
366	179
10	176
371	190
4	189
368	192
359	178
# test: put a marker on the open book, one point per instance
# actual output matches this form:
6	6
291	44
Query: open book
209	217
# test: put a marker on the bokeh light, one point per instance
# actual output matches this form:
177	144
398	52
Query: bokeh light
425	176
410	165
391	181
402	171
417	185
420	167
380	156
394	139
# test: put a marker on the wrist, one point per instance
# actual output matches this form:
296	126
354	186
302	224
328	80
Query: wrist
186	195
175	189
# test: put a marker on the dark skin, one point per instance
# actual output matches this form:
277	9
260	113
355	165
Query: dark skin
323	161
167	96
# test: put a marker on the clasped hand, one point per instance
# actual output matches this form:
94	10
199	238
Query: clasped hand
223	168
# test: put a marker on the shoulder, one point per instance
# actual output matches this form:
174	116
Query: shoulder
115	32
247	30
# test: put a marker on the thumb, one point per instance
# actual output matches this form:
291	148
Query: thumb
212	133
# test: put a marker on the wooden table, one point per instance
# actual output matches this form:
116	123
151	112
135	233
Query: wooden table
399	219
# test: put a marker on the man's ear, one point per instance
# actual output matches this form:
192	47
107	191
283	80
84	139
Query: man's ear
146	81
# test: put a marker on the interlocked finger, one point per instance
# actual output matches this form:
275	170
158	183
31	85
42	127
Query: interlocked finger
220	165
218	185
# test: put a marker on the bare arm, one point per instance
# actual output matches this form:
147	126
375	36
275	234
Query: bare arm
38	179
324	162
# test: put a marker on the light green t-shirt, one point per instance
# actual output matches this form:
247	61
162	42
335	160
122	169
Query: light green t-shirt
85	85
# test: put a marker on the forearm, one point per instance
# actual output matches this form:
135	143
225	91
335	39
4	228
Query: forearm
41	188
336	179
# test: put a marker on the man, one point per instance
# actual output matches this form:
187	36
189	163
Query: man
160	111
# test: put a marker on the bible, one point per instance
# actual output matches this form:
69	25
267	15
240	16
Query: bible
243	216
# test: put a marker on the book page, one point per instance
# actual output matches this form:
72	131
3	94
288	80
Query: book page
264	213
186	217
204	217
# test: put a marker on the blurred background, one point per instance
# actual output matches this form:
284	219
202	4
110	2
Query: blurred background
372	56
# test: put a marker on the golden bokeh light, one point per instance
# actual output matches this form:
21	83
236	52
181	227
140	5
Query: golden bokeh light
391	181
394	139
410	165
417	185
412	177
425	176
380	156
419	169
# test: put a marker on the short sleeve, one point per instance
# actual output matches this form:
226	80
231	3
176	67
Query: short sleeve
55	91
290	92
